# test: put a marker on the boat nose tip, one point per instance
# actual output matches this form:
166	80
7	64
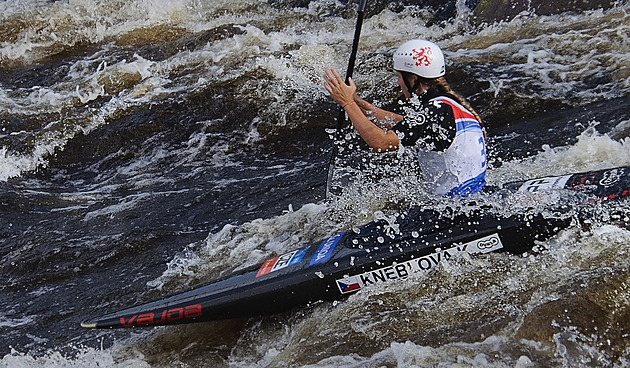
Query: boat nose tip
88	324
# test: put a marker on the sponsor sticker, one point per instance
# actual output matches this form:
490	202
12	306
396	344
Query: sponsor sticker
486	244
552	182
426	263
611	177
165	316
281	262
325	249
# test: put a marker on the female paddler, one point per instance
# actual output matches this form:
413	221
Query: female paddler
436	121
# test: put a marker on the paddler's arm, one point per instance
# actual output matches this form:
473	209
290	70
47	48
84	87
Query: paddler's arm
378	139
384	118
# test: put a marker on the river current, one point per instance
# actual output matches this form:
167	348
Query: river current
149	146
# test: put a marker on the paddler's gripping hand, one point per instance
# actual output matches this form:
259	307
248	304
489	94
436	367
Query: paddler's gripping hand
341	92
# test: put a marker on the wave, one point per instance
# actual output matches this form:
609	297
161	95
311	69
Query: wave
74	67
188	130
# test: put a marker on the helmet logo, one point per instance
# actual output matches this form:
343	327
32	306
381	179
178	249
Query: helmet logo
423	56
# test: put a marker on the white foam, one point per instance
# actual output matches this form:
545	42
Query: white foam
234	248
555	56
592	151
82	357
12	166
16	322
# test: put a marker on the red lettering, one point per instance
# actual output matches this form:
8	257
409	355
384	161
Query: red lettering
192	311
145	319
267	267
175	314
613	196
607	197
129	322
162	318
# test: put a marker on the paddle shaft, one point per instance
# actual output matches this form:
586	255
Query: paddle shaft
341	119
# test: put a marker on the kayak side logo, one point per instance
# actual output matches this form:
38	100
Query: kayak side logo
549	183
611	177
425	264
167	315
325	249
281	262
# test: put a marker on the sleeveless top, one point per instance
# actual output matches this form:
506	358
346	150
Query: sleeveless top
450	143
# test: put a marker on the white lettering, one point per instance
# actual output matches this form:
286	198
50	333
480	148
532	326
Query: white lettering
424	264
283	261
611	177
551	182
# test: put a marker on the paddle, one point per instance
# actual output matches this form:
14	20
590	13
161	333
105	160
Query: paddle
341	119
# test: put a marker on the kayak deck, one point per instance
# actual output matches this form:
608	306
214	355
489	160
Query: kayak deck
377	252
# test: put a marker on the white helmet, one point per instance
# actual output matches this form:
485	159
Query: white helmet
420	57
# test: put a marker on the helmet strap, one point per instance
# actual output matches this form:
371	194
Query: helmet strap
411	89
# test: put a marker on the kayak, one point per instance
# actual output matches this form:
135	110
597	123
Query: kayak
416	240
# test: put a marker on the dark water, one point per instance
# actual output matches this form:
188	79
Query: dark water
149	146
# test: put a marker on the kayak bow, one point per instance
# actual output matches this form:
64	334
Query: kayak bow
376	253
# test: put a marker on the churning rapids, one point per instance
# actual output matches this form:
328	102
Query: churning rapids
148	146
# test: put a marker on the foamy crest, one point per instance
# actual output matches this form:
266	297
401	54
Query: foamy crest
408	354
140	79
568	56
81	357
60	25
12	166
293	51
592	151
238	247
15	322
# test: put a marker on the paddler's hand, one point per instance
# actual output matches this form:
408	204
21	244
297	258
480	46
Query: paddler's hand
342	93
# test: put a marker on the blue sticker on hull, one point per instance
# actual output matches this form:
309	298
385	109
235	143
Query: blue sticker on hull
297	258
325	249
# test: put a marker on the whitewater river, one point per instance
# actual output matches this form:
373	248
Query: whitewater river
149	146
